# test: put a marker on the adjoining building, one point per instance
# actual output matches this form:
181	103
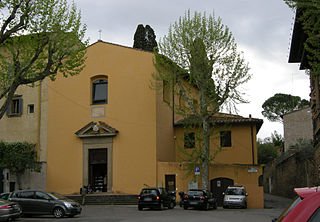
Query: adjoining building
109	129
297	126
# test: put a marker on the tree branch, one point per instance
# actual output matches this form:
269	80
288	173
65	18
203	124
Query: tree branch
5	34
187	98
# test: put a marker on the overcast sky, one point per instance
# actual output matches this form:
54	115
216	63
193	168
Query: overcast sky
262	30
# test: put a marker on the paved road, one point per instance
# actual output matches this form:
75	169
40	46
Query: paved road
99	213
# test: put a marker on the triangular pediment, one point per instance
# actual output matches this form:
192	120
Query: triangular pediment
96	129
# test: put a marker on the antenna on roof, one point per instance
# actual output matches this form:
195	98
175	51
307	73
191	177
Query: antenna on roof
99	34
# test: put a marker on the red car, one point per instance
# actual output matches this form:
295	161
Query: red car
306	207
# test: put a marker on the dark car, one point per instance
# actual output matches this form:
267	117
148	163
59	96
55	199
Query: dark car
202	199
9	210
35	202
156	198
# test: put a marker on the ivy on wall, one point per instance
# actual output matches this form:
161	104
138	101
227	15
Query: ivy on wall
18	157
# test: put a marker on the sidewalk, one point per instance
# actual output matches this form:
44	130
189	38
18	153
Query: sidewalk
277	202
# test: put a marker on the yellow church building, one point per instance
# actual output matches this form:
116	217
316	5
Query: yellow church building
109	129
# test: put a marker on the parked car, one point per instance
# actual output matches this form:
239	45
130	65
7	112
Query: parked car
9	210
38	202
305	207
235	196
4	196
197	198
156	198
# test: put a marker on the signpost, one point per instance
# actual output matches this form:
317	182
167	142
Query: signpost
197	171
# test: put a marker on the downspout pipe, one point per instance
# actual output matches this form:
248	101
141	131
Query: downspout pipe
252	142
39	121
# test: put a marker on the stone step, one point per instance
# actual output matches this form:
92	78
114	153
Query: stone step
108	199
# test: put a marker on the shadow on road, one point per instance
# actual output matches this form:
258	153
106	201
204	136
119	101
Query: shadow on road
276	202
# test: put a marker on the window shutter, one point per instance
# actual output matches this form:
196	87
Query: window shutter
107	92
20	105
9	109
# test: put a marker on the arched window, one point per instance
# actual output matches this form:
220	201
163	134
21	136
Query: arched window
100	91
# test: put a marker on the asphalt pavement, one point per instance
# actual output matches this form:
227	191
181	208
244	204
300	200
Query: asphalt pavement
276	202
130	213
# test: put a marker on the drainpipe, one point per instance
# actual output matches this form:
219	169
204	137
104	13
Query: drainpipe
252	142
39	121
173	105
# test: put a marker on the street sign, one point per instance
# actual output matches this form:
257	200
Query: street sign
197	171
252	170
192	185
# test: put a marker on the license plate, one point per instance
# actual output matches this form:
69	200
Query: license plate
147	199
193	203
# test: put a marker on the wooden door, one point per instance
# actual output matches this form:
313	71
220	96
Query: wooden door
218	186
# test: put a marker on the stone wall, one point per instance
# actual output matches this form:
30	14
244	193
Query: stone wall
288	172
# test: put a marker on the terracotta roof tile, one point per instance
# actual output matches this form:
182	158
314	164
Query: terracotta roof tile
224	119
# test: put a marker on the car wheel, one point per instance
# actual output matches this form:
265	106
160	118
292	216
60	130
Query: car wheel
140	207
185	207
58	212
171	205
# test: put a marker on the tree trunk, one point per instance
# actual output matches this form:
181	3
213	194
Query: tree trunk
205	154
8	99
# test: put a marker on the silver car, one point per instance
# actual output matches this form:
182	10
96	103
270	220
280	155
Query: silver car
235	196
9	210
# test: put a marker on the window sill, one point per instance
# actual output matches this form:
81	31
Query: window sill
14	115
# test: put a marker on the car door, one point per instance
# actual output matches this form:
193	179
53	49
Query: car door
25	199
43	203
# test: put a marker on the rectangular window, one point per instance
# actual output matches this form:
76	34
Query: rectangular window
225	139
100	92
189	140
15	107
30	108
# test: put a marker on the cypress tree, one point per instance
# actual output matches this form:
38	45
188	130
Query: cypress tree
139	37
144	38
150	39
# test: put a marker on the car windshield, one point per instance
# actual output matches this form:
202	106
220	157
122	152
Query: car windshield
235	191
58	196
4	196
150	192
291	206
195	192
